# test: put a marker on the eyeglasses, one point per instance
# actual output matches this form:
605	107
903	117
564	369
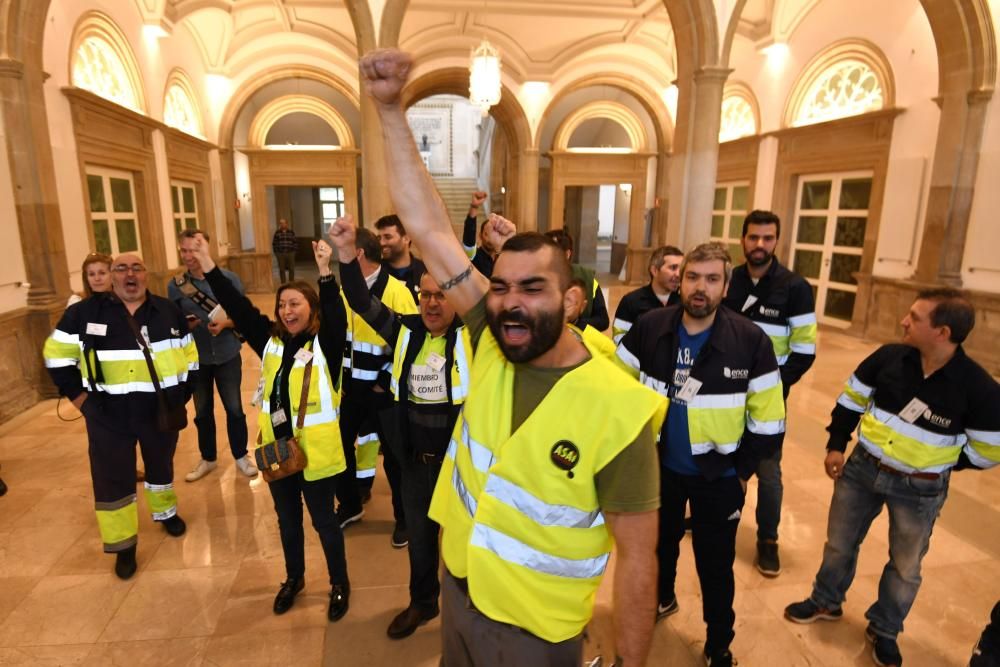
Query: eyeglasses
125	268
427	296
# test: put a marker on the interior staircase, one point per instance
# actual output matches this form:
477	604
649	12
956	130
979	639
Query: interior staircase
456	192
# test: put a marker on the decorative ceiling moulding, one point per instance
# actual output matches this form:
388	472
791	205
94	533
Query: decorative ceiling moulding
280	107
841	54
740	112
180	104
602	109
98	43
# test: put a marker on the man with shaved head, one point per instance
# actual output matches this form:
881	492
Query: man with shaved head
126	360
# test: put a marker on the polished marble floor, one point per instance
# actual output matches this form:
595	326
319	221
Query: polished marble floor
206	598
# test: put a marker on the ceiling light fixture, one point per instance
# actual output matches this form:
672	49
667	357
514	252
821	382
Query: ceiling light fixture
484	75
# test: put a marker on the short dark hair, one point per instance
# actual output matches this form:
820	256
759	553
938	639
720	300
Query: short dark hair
390	221
533	242
707	252
952	309
660	255
562	238
312	298
758	217
367	242
191	233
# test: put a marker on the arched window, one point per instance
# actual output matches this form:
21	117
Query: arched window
739	113
180	108
848	79
102	62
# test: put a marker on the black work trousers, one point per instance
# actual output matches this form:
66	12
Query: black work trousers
715	515
359	409
418	480
287	494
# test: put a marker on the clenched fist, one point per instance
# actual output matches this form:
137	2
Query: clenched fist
322	252
344	233
384	73
498	230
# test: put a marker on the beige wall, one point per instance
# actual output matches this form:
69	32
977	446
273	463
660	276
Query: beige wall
12	296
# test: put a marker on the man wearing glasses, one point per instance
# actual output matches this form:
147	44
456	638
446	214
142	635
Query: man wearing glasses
102	356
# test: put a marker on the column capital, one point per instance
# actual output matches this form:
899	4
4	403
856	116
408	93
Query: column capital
980	96
11	69
712	74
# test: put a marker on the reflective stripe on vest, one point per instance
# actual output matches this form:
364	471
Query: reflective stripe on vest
905	446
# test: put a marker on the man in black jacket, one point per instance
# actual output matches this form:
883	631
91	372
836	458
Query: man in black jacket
664	281
396	256
726	413
781	303
430	376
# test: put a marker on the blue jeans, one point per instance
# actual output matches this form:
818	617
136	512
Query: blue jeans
227	377
769	492
858	497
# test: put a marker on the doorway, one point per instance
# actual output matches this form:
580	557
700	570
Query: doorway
597	216
831	216
310	211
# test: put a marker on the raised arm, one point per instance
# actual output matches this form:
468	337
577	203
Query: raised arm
414	197
379	316
254	325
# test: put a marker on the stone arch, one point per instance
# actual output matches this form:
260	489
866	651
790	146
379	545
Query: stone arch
696	33
178	78
742	92
640	90
95	25
614	111
838	53
229	117
280	107
455	81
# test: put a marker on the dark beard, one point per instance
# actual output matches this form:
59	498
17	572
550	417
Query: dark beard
544	330
759	262
704	311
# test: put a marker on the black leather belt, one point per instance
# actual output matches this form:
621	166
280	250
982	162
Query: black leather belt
893	471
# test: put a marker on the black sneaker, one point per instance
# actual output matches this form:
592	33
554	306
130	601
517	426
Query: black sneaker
400	537
808	611
346	518
720	659
885	651
174	526
125	565
767	558
3	488
664	609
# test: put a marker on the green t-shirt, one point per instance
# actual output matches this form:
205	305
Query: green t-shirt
630	482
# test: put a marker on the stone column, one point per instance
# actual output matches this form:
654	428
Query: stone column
36	202
29	151
527	190
953	180
696	155
375	200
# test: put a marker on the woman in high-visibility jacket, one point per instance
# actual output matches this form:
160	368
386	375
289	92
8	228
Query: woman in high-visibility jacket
308	328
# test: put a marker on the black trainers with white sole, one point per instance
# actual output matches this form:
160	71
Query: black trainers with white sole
808	611
664	609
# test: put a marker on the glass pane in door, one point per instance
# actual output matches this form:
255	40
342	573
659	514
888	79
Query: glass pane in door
720	199
175	203
850	232
189	200
121	195
808	262
855	193
812	229
741	198
102	237
736	226
839	304
842	266
127	240
816	195
95	187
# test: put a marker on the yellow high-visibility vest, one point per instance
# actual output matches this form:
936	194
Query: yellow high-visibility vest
319	437
519	512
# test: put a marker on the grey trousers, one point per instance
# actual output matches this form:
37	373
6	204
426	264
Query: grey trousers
469	639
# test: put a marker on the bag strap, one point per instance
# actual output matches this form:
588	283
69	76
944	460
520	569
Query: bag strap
145	350
300	420
191	291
